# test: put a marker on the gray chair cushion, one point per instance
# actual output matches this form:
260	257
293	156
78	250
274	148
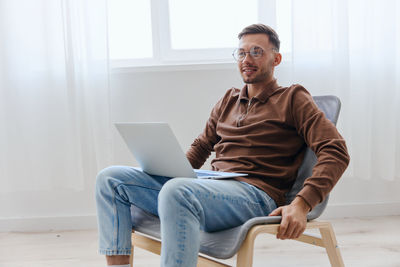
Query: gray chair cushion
221	245
224	244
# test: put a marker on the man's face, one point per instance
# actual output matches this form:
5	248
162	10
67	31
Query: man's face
261	69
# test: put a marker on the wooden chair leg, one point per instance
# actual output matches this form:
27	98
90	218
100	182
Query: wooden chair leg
131	257
132	252
246	251
329	240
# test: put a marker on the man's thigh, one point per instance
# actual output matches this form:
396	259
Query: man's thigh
226	203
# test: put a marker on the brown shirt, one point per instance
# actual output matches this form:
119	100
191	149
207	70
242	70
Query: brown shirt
266	137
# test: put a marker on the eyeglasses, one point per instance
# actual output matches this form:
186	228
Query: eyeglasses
255	52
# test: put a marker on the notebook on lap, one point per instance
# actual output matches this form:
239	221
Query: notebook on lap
158	152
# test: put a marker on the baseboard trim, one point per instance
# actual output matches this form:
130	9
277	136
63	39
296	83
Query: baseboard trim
361	210
80	222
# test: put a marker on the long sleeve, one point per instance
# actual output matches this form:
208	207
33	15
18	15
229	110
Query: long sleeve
323	138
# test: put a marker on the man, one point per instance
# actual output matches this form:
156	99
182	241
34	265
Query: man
261	130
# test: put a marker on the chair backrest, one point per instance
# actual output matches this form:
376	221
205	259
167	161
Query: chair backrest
330	105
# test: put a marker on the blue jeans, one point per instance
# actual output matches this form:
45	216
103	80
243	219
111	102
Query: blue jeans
184	206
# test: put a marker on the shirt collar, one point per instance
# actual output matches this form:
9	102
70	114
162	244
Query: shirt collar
263	95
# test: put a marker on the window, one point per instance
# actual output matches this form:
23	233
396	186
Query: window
129	29
213	24
160	32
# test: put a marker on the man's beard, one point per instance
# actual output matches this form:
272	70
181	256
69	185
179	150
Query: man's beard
258	78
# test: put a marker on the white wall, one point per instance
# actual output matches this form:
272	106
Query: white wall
183	97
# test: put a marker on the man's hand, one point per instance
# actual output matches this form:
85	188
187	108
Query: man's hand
294	219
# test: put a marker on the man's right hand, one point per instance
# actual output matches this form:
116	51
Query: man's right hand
294	219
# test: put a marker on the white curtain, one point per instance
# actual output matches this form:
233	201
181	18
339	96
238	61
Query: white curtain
54	93
352	49
54	97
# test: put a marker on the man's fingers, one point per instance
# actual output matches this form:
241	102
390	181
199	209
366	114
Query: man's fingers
290	231
293	221
297	234
301	230
276	212
298	231
290	228
283	228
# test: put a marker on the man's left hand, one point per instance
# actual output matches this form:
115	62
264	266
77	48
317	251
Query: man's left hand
294	219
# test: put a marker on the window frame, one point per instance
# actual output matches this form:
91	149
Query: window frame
165	55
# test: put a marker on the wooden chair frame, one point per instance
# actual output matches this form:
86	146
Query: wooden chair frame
327	240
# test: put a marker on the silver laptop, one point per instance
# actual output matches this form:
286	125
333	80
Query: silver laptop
158	152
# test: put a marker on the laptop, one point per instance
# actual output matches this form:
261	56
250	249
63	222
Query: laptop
158	152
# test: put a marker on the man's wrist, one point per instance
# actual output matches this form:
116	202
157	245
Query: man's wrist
302	204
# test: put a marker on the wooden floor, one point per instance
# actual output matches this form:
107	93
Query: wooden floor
372	241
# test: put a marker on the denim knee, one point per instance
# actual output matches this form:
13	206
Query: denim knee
177	194
108	178
116	173
103	177
176	188
111	171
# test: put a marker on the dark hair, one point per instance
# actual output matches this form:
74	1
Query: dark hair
261	28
